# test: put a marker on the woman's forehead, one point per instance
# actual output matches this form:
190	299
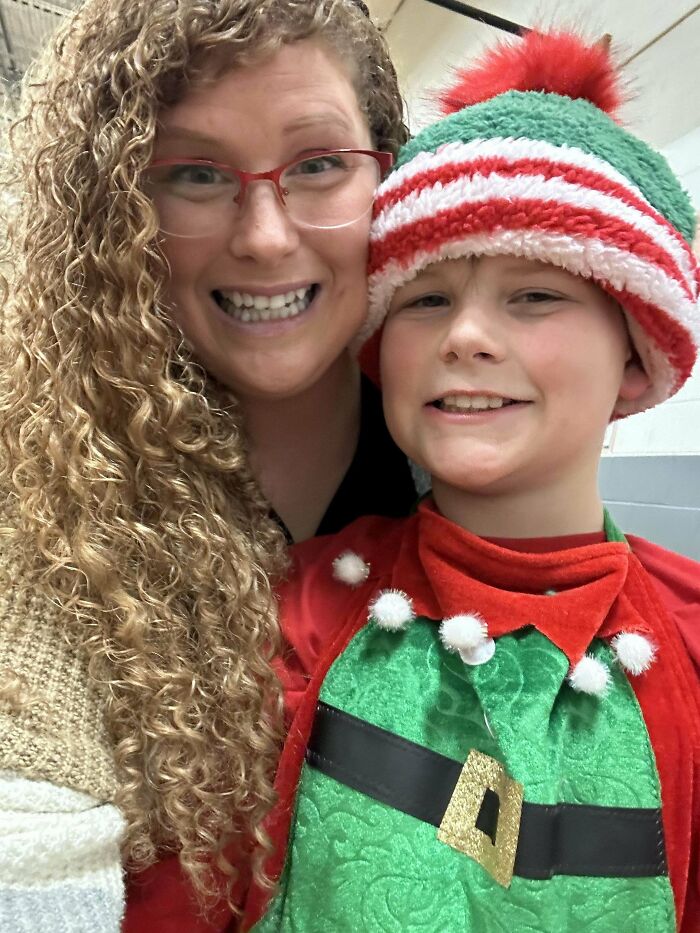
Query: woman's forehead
305	69
300	95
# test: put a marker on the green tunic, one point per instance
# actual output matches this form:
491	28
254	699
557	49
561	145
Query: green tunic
356	864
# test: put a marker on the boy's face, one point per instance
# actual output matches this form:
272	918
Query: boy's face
500	374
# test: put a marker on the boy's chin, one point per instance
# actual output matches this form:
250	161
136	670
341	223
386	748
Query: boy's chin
475	479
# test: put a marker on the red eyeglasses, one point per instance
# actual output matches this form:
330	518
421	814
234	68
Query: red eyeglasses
325	188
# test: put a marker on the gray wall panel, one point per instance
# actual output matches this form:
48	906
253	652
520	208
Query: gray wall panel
655	497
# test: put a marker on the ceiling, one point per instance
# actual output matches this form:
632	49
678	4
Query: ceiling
657	39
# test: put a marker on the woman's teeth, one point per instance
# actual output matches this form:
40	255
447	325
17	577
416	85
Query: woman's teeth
253	308
459	403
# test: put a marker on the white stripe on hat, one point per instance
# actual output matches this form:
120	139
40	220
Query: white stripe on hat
513	150
425	203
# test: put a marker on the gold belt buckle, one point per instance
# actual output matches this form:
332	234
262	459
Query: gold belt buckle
458	827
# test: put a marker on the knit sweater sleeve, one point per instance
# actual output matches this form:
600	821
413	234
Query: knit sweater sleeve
60	865
59	827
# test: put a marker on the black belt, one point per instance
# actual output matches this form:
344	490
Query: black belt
563	839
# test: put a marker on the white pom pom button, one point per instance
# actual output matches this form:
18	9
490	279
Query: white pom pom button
467	635
463	632
634	652
483	652
392	610
349	568
590	676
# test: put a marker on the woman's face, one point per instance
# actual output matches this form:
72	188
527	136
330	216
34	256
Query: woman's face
254	119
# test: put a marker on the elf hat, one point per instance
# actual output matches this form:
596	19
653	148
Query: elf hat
531	163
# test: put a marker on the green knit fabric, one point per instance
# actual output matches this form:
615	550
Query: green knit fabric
356	864
565	122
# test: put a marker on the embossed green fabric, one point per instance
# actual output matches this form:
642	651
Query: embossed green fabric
354	864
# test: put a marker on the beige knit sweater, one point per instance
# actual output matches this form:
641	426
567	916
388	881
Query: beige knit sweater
51	721
59	830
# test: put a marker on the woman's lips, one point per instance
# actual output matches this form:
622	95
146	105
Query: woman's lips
268	321
254	308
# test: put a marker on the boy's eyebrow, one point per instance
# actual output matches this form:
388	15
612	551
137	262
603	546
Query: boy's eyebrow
519	264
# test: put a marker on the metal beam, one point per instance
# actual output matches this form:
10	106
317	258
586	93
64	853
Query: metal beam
43	6
8	45
481	16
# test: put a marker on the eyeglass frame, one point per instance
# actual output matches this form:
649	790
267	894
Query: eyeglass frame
385	160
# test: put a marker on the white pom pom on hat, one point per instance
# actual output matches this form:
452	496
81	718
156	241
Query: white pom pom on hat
634	652
392	610
590	676
350	568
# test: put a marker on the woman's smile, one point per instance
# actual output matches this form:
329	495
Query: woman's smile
251	306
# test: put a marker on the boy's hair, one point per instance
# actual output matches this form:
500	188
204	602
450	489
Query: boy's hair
529	163
126	463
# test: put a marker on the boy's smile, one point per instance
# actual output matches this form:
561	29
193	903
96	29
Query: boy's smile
473	404
500	375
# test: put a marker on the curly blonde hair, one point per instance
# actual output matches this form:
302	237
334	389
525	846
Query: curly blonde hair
136	508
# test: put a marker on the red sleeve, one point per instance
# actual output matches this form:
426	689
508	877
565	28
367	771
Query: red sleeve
161	899
309	626
677	581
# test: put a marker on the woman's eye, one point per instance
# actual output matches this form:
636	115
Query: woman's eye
192	181
318	165
194	174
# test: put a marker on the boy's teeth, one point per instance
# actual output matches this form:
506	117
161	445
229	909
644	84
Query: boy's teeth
248	308
471	402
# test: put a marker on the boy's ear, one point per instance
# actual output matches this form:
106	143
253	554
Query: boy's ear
635	381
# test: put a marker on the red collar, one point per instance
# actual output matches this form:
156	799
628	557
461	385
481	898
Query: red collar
570	595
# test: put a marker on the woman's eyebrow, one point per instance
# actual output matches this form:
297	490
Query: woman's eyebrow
329	119
175	133
322	118
172	133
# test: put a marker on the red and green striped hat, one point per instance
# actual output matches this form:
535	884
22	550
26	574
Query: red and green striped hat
530	162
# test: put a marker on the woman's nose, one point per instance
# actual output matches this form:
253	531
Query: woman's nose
472	333
263	230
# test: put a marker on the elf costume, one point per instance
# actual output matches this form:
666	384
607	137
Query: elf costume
490	738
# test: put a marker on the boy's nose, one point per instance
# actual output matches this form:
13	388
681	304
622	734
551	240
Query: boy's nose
472	333
263	230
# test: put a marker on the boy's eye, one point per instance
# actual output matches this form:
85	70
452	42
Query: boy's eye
535	301
535	296
431	300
